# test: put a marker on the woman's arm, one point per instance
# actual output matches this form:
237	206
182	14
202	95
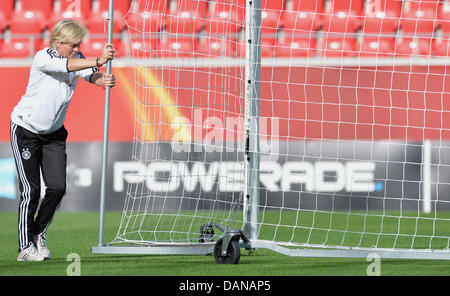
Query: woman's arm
76	64
81	64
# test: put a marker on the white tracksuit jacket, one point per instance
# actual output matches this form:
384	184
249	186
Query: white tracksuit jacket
50	88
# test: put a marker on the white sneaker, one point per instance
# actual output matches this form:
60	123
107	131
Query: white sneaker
41	245
30	254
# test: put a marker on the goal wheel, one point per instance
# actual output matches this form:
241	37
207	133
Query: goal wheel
233	252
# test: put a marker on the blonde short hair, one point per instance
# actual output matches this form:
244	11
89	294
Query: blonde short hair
67	31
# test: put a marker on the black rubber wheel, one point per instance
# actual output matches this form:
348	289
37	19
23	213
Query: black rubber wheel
233	252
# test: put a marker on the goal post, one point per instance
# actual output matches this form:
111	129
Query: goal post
252	116
309	128
105	131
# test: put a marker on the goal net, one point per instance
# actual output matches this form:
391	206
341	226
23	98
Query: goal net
335	140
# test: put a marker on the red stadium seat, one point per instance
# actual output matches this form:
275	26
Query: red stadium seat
419	17
355	7
383	8
302	20
341	23
444	18
121	7
272	4
305	15
292	46
178	47
441	47
17	48
7	7
271	21
382	16
144	48
3	21
98	22
187	17
376	47
226	17
441	44
271	16
420	46
27	22
151	21
78	10
343	16
217	47
148	16
338	47
32	18
6	10
43	6
93	47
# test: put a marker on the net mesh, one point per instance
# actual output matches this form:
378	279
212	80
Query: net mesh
353	122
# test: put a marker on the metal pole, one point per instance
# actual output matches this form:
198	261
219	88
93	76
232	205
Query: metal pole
426	176
105	130
252	110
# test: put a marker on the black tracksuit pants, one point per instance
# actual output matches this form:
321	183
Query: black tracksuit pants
33	154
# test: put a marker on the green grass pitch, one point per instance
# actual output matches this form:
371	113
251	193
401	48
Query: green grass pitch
77	232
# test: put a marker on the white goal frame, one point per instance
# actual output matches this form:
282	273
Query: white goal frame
251	193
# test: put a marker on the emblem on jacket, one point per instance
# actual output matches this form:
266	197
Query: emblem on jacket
26	154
